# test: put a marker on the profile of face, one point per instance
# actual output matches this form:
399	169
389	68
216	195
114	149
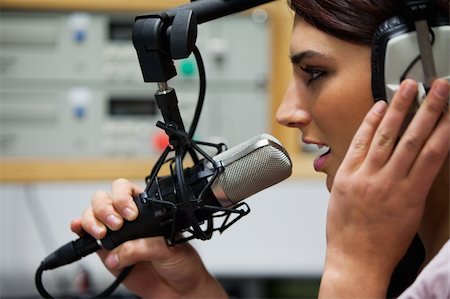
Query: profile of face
329	94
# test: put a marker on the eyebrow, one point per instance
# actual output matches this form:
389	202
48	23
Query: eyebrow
298	57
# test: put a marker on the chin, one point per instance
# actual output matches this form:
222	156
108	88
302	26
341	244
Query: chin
329	182
330	171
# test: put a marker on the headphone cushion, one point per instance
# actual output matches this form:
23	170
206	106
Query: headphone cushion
388	29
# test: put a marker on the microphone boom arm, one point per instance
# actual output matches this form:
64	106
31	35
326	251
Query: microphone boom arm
161	37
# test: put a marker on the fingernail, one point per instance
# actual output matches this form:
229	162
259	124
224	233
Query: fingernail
380	107
409	89
440	89
129	213
112	261
112	221
97	231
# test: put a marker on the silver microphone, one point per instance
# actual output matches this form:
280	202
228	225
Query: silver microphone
250	167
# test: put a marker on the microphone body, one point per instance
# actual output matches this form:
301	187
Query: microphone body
155	219
247	168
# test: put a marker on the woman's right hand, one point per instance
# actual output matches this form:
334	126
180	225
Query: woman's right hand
380	190
159	271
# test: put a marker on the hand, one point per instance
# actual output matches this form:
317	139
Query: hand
159	271
379	193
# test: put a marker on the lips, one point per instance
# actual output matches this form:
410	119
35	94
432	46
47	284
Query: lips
319	162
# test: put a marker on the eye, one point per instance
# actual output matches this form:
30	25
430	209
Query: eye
313	73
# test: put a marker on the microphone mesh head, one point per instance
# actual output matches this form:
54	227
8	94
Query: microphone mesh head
251	167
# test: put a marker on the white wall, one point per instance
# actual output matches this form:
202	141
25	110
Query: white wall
284	235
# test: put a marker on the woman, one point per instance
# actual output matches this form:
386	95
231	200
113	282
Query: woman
378	192
331	92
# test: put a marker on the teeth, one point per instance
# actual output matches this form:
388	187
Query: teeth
322	149
315	148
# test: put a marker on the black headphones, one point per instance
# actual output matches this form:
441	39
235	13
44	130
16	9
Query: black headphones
413	45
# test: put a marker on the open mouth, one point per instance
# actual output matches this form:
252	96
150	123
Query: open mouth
322	152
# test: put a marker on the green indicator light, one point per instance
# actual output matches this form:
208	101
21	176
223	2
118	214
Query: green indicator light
187	68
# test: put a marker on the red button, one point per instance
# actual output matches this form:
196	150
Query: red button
160	141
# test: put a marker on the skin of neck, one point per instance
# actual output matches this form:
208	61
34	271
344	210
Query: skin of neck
435	227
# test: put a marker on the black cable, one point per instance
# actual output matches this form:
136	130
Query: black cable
184	191
154	172
201	93
39	285
107	292
119	279
409	67
200	100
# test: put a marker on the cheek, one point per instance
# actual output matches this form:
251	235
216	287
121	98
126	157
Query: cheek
342	114
339	123
350	100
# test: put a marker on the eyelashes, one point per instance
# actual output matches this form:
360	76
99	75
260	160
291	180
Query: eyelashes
313	73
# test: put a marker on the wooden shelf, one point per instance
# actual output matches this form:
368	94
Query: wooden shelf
77	169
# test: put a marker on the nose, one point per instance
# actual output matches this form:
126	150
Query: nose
291	112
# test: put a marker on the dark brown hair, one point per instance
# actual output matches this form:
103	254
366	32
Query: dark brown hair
351	20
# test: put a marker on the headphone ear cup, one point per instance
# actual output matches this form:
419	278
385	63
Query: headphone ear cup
386	31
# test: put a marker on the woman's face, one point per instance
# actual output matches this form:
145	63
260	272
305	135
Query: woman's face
329	94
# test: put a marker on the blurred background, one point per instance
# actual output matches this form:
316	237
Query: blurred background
75	114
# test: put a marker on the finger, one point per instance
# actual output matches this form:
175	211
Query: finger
432	156
103	208
387	133
92	225
76	227
363	137
123	192
104	254
131	252
421	127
